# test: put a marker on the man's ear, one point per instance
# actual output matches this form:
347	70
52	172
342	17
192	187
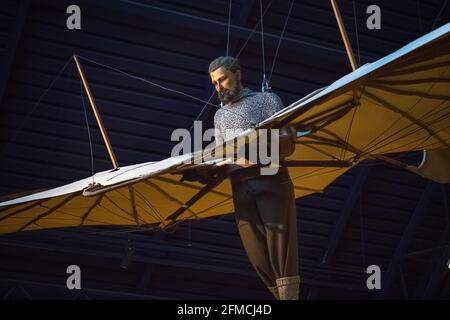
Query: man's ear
238	74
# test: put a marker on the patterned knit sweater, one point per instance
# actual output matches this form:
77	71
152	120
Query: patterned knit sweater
244	112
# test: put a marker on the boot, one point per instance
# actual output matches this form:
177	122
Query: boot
288	287
274	291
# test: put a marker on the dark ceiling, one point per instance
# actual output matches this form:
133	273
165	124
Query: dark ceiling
372	215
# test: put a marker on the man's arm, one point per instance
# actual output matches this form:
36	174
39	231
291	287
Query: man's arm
204	174
287	141
287	134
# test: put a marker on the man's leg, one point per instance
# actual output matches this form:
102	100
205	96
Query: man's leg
253	234
276	208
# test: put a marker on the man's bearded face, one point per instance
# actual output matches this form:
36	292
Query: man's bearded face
227	83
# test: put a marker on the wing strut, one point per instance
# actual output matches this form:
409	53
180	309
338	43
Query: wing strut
351	57
347	44
97	115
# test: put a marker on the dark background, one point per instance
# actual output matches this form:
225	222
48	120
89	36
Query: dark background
374	214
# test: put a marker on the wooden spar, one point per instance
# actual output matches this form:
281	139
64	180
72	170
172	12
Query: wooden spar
352	59
348	47
97	115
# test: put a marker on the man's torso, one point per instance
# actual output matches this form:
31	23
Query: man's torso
254	107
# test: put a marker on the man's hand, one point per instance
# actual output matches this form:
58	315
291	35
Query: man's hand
201	174
286	146
288	137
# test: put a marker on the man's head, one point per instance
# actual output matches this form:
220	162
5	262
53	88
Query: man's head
225	73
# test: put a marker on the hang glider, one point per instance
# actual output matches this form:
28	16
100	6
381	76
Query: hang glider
397	104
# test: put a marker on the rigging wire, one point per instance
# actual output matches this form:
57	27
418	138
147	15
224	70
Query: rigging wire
227	53
196	119
88	130
137	218
158	85
280	39
254	29
438	16
362	229
347	137
146	81
126	230
36	105
356	31
385	142
229	24
207	103
372	143
421	143
372	148
237	56
265	84
189	244
127	214
420	17
439	118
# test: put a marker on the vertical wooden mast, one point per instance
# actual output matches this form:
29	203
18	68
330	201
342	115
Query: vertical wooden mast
97	115
352	59
347	44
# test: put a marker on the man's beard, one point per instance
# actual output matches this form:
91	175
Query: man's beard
227	96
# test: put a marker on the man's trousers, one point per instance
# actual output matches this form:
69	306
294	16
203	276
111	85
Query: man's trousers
267	223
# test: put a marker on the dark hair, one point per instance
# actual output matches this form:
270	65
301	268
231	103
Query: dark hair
227	62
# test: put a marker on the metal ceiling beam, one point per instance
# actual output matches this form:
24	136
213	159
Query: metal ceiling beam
345	213
438	267
246	7
440	16
200	23
146	278
419	212
53	286
167	260
342	221
437	276
11	48
117	292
